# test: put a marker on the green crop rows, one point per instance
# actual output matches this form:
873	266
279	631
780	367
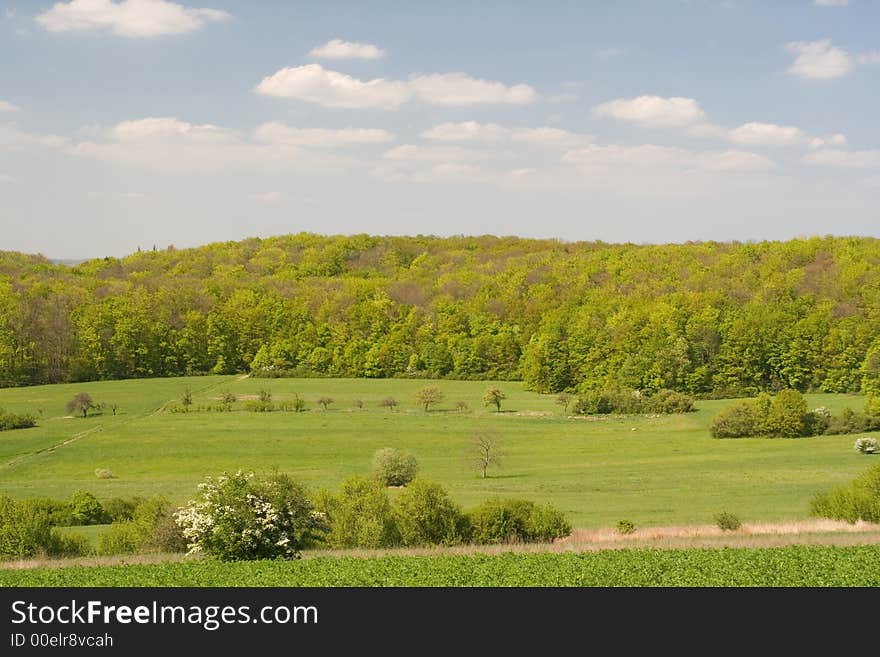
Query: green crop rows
790	566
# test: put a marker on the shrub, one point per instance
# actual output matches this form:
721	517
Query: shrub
669	401
104	473
85	509
787	417
727	521
516	521
426	515
9	421
259	406
859	500
360	515
389	403
736	421
238	516
393	467
26	530
625	527
866	445
325	402
265	395
872	405
228	398
119	509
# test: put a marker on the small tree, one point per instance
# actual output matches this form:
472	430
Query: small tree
389	403
427	396
426	515
186	399
563	399
228	398
82	402
494	396
114	407
265	396
358	403
461	406
393	467
325	401
486	446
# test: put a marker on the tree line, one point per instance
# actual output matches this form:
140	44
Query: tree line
706	318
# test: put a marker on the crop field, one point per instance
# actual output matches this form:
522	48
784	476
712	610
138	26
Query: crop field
789	566
652	470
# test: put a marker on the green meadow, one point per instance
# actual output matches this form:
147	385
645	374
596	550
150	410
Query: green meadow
652	470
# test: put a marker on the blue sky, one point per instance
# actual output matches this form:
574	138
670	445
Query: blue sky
129	123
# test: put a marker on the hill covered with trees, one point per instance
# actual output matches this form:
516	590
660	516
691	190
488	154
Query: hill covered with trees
704	318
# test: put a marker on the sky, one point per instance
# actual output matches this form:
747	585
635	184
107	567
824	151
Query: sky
126	124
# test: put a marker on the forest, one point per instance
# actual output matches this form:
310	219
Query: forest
711	319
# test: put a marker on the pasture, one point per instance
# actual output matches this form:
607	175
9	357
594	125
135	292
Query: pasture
652	470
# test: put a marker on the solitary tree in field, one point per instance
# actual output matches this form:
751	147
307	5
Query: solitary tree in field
82	402
389	403
486	450
461	406
325	401
563	399
427	396
186	399
494	396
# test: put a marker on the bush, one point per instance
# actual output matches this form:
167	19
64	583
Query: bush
736	421
859	500
426	515
866	445
360	515
872	405
516	521
669	401
85	509
393	467
625	527
727	521
259	406
239	517
9	421
119	509
150	528
26	531
787	417
104	473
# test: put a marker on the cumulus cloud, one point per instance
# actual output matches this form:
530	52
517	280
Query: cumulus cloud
6	106
414	153
128	18
492	132
819	60
760	134
650	157
170	144
844	159
652	110
461	89
276	132
315	84
339	49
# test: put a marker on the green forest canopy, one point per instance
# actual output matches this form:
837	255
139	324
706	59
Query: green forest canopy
705	318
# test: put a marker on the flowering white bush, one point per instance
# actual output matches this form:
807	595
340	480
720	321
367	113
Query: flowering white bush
240	517
867	445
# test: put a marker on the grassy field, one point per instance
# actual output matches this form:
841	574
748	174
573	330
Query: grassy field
788	566
651	470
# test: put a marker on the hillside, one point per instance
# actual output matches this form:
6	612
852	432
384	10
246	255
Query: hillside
707	318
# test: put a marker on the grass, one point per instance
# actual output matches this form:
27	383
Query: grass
653	471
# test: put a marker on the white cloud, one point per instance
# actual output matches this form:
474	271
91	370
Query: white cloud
652	110
650	157
868	58
169	144
269	198
831	3
314	83
6	106
339	49
14	139
831	140
492	132
128	18
413	153
461	89
275	132
765	134
819	60
844	159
